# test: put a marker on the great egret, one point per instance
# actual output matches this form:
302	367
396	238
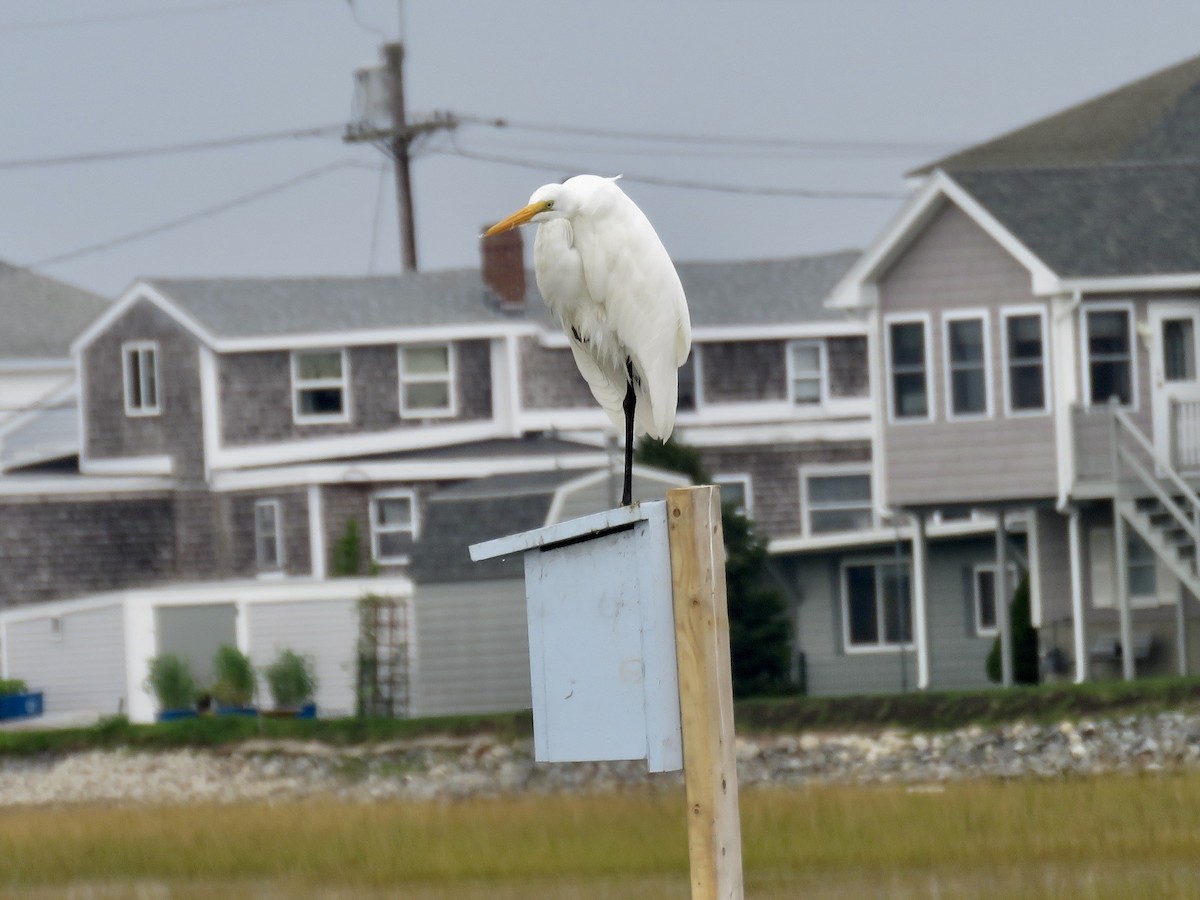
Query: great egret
608	279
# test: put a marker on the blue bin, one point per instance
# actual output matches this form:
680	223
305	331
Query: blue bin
20	706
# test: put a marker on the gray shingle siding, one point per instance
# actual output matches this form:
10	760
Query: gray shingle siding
743	371
293	520
51	549
848	371
550	379
176	431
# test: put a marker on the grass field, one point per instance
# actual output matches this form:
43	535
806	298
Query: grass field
1119	836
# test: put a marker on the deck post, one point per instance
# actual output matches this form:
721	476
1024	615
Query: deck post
920	598
1181	636
705	691
1078	614
1121	576
1003	601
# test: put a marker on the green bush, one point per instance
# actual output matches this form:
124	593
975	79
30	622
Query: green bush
235	679
10	686
171	681
1024	640
292	679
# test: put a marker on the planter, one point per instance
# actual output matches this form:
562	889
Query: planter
223	710
174	715
20	706
307	711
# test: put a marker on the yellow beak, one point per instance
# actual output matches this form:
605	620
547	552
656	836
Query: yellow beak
520	217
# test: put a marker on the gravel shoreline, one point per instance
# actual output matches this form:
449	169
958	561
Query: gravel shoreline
428	769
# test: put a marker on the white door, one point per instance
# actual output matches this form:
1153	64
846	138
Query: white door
1175	387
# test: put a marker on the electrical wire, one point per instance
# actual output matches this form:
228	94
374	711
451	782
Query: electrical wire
50	24
808	193
205	213
167	149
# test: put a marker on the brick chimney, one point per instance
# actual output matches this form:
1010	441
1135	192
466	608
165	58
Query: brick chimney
504	269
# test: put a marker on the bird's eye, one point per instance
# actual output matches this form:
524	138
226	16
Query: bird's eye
549	204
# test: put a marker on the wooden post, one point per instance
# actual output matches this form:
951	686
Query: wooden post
705	691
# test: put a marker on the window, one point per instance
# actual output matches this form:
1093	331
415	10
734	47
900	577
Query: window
1141	569
876	606
966	346
984	579
393	525
320	386
806	372
735	489
1179	350
909	381
1025	360
1109	353
688	382
427	381
140	363
836	498
268	537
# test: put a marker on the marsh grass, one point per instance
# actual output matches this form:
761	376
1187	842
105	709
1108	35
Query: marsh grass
1119	836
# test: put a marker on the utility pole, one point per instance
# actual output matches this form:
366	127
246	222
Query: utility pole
380	93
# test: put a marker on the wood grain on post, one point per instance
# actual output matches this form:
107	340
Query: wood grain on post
705	692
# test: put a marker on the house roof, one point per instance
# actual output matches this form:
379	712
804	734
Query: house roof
39	316
1093	221
1156	118
757	292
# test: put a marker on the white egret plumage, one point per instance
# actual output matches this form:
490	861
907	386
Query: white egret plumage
607	278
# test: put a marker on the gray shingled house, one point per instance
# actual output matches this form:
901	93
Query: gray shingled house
232	429
1034	316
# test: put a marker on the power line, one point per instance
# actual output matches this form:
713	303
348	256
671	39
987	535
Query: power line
205	213
166	149
50	24
809	193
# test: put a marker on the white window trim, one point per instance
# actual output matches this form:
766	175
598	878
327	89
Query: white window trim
1085	310
930	400
821	470
844	600
1016	312
747	489
376	530
822	372
140	347
968	315
299	384
450	379
1013	577
278	519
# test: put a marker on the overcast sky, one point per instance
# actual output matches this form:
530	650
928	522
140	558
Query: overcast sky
776	98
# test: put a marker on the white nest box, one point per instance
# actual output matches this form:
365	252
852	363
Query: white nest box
601	636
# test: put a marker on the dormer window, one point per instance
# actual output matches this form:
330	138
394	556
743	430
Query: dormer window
427	381
139	361
320	386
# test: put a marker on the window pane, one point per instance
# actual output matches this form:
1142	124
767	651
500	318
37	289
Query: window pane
394	511
1108	332
823	521
393	544
806	358
1111	379
1024	338
321	401
265	515
806	390
896	607
860	603
319	365
910	395
687	384
1143	570
985	590
1027	388
908	344
968	391
966	341
150	385
426	360
1179	350
733	492
427	395
133	388
839	489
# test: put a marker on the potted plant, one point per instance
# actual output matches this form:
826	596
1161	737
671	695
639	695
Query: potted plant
17	701
174	687
293	681
235	682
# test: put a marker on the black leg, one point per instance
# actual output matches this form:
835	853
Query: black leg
630	404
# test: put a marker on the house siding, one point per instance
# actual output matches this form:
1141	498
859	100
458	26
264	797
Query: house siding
82	670
176	430
955	265
293	519
848	370
257	403
51	549
550	379
473	648
743	371
326	630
